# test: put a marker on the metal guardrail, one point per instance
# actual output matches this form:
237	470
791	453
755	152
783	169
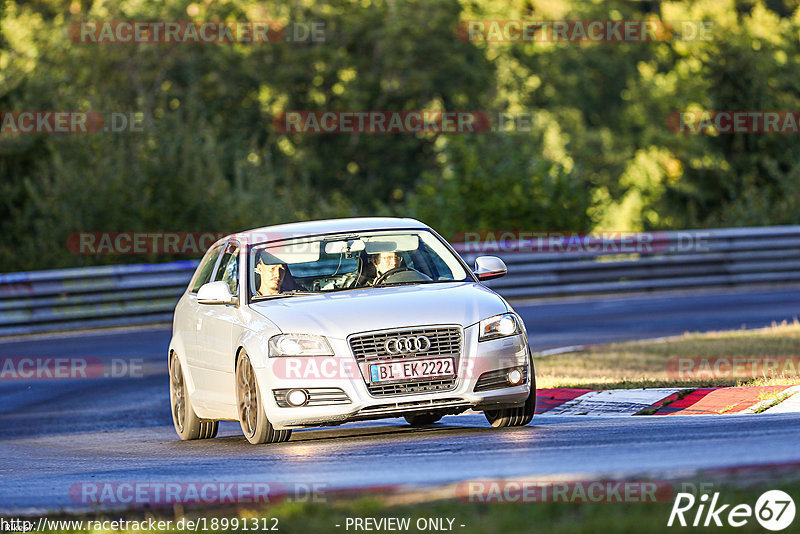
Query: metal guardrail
69	299
668	261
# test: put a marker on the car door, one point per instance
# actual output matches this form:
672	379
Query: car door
188	317
217	337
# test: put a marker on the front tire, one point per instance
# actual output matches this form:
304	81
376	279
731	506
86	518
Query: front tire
187	424
252	417
520	416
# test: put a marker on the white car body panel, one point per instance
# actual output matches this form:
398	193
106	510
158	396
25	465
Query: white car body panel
362	310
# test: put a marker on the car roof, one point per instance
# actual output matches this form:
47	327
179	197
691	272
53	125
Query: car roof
328	226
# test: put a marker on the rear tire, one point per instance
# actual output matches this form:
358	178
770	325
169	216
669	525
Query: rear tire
520	416
187	424
252	417
424	419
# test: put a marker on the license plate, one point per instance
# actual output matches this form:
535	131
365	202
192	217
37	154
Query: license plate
411	370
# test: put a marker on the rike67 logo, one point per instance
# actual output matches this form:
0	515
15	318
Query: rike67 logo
774	510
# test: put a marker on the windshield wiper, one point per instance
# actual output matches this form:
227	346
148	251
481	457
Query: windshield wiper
286	294
389	284
415	282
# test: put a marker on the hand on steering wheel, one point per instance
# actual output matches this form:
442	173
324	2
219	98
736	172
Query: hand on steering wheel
382	278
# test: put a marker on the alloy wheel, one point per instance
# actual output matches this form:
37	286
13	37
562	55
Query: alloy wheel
248	397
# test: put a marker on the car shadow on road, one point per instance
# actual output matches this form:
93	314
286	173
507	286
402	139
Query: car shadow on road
344	436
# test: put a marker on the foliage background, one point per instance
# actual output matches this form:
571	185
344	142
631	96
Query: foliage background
598	154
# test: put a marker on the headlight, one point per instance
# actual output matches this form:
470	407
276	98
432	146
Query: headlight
499	326
299	345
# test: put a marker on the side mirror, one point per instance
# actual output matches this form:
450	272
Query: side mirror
489	267
216	293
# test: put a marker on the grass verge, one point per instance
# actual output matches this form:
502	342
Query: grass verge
760	357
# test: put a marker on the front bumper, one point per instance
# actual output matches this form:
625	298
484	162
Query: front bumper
341	373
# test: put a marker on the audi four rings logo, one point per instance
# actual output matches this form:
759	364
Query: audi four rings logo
407	345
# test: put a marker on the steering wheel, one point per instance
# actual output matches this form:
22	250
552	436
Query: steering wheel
413	276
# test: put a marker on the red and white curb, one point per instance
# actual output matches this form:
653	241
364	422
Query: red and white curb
668	401
613	402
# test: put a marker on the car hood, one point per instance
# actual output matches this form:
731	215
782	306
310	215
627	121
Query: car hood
342	313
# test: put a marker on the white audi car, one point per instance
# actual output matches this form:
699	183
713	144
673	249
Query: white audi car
326	322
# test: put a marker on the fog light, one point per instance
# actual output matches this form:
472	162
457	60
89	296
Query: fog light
514	377
297	397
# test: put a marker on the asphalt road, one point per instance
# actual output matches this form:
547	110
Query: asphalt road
59	433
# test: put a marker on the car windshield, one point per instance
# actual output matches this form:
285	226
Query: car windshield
353	261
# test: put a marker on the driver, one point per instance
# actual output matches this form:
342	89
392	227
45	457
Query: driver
273	276
385	262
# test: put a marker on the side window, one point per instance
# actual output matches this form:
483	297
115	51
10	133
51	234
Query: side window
229	268
203	274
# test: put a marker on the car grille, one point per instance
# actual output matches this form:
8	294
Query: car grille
497	379
445	341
